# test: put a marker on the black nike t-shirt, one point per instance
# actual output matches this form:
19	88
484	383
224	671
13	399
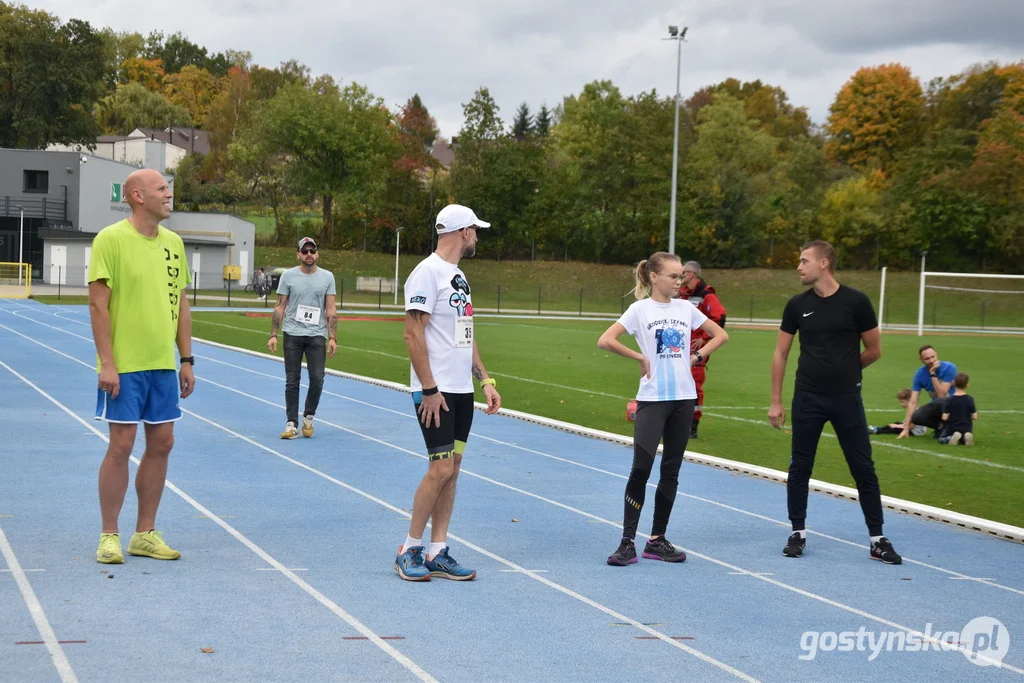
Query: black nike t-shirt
830	331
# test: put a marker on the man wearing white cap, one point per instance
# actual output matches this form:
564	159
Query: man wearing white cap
444	360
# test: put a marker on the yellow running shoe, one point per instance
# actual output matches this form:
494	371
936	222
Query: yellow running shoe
151	544
290	432
109	551
307	426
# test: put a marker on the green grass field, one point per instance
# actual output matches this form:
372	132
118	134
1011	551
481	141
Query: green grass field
554	368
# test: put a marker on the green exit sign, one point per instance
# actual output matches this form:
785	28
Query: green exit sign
115	192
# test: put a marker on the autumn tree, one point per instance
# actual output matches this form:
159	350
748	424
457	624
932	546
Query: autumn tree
193	88
877	114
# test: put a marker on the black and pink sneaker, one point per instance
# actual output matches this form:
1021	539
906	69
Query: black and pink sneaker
626	554
661	549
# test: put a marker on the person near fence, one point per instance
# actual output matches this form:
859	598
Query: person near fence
703	296
137	272
935	377
444	358
833	321
305	312
663	327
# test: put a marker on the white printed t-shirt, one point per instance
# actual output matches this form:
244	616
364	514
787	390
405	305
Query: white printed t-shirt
440	289
663	333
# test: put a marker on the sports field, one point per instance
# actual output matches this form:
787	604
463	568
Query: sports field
554	368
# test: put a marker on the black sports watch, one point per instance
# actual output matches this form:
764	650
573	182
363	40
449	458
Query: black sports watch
189	359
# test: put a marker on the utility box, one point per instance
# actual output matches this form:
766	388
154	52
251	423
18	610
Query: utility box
232	272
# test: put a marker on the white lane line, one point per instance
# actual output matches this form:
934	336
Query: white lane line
275	569
410	665
323	599
721	563
24	570
777	522
520	571
602	471
35	608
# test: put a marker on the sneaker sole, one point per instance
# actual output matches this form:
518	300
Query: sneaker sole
618	563
883	561
969	440
652	556
289	436
143	553
453	577
308	436
115	560
790	553
406	577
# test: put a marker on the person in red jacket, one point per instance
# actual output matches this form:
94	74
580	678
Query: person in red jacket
702	295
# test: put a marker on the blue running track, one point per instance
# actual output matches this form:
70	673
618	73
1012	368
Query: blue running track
287	550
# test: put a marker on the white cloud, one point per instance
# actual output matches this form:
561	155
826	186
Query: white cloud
540	51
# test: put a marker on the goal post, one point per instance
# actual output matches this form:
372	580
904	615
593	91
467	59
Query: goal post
15	280
924	286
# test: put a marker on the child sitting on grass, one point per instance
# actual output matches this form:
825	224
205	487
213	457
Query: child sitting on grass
960	413
903	396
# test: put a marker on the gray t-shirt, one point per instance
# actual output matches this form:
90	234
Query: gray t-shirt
305	314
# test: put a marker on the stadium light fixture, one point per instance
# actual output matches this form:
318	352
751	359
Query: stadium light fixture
675	34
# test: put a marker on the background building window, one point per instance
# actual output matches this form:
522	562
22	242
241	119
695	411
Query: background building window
37	181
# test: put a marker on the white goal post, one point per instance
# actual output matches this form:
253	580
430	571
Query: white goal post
926	274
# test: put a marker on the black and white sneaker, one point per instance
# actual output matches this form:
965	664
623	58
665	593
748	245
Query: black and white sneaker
883	550
626	554
661	549
795	545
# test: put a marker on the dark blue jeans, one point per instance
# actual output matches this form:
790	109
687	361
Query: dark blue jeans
315	351
846	413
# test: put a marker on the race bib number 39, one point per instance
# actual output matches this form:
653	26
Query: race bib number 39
307	315
464	332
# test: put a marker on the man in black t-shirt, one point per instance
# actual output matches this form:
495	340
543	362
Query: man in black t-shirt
833	320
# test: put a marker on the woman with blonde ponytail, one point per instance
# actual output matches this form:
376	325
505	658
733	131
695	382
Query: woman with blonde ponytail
661	325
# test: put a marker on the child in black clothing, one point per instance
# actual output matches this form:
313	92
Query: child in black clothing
960	413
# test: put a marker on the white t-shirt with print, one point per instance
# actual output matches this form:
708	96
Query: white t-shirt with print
663	333
440	289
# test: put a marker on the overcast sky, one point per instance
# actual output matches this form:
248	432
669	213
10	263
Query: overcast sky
542	50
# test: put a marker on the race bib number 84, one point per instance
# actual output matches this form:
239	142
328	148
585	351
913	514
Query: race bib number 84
464	332
307	315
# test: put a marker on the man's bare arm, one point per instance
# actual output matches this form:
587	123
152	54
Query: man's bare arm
872	347
416	343
278	315
779	359
479	371
99	314
184	337
332	316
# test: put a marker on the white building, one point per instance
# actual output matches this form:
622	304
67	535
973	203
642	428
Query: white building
155	148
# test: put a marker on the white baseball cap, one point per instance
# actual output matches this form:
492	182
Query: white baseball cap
456	217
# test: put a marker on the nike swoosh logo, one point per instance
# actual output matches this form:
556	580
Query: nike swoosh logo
807	314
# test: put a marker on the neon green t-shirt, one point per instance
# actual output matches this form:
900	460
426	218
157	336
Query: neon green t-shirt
146	276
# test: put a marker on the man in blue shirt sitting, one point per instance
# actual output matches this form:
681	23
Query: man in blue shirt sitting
935	377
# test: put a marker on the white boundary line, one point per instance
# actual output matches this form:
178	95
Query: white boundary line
651	485
999	529
735	569
35	608
402	659
740	570
1004	531
319	596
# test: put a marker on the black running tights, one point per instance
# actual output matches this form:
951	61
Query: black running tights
655	419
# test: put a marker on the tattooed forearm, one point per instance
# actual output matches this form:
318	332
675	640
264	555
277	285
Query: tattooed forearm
478	372
415	315
332	326
275	322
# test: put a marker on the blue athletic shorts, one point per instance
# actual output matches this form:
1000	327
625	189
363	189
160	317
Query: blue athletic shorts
149	395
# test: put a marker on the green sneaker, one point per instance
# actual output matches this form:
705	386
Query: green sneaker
109	551
151	544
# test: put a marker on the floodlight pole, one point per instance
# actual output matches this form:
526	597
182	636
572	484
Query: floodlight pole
398	239
920	298
21	243
675	35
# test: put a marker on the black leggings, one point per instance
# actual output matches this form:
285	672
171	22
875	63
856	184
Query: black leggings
655	419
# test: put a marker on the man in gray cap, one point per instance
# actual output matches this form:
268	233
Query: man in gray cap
306	314
444	359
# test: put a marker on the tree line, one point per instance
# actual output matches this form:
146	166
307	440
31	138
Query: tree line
898	167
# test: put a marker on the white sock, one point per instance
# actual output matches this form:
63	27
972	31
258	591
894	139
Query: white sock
875	539
435	548
411	542
802	532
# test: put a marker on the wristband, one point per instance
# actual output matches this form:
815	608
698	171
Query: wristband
700	358
490	380
189	359
429	392
273	336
